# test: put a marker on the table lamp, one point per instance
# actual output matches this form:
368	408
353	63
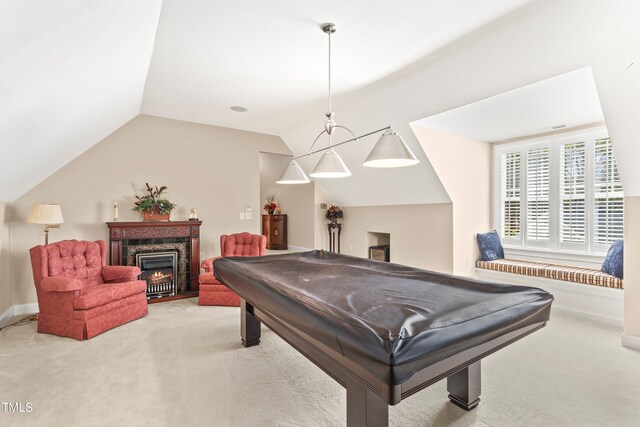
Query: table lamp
49	215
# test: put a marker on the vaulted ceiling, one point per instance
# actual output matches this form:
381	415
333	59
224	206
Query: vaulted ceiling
72	71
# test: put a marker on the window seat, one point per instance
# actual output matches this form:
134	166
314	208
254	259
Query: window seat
585	290
586	276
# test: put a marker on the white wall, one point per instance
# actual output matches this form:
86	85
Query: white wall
421	235
297	201
212	169
321	236
464	167
5	257
631	265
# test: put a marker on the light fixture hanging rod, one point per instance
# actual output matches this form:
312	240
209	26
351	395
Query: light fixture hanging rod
319	150
329	29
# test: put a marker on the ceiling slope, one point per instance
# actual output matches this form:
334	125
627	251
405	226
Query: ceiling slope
71	72
270	56
566	101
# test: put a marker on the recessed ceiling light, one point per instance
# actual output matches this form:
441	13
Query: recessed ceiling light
238	109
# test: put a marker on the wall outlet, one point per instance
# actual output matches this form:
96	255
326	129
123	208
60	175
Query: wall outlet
323	206
242	215
350	248
202	258
247	215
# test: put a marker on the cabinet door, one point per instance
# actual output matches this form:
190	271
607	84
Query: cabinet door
265	227
275	228
277	232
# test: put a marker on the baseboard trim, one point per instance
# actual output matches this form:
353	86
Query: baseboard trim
17	310
631	341
6	316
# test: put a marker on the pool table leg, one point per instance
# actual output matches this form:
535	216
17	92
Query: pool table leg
364	407
464	387
249	325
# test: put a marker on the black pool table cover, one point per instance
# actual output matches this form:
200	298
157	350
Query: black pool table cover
392	319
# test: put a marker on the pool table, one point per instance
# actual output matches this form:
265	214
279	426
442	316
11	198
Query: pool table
384	331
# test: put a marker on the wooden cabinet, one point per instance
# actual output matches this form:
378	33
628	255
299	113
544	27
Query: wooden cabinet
275	228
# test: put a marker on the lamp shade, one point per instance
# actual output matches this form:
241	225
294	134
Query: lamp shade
293	174
45	214
330	165
390	152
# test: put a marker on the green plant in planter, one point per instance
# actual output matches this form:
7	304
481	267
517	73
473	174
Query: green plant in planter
154	201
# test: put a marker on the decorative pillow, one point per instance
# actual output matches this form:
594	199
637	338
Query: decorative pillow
613	262
490	246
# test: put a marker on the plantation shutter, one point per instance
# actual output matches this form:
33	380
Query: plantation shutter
510	195
608	197
572	193
538	194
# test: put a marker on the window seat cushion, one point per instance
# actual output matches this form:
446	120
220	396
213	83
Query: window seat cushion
586	276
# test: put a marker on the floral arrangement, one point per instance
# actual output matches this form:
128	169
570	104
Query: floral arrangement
154	201
271	206
333	213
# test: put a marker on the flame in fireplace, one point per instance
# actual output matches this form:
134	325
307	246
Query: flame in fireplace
159	277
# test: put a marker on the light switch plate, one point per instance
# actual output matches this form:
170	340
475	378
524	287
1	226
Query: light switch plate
247	215
242	215
247	208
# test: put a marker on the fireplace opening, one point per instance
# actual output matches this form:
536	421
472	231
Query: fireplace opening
380	253
160	271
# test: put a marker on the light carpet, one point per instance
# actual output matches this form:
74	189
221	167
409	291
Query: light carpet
183	365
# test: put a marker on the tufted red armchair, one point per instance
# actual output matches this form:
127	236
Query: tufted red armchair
213	292
79	296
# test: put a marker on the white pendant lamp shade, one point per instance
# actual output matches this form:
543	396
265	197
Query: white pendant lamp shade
293	174
390	152
45	214
330	166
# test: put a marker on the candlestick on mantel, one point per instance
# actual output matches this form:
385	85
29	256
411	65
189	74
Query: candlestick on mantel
115	211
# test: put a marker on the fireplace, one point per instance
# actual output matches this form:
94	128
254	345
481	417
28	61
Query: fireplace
128	239
379	253
160	271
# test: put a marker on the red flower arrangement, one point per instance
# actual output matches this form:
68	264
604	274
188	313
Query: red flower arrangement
271	205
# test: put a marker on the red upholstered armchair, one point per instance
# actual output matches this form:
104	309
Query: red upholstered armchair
79	295
213	292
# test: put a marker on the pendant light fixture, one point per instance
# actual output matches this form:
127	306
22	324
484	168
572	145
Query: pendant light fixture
390	151
331	164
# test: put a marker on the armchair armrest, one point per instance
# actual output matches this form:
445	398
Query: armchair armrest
120	273
207	264
60	284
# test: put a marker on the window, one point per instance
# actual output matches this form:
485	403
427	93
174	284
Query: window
510	195
538	216
608	204
562	193
572	193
